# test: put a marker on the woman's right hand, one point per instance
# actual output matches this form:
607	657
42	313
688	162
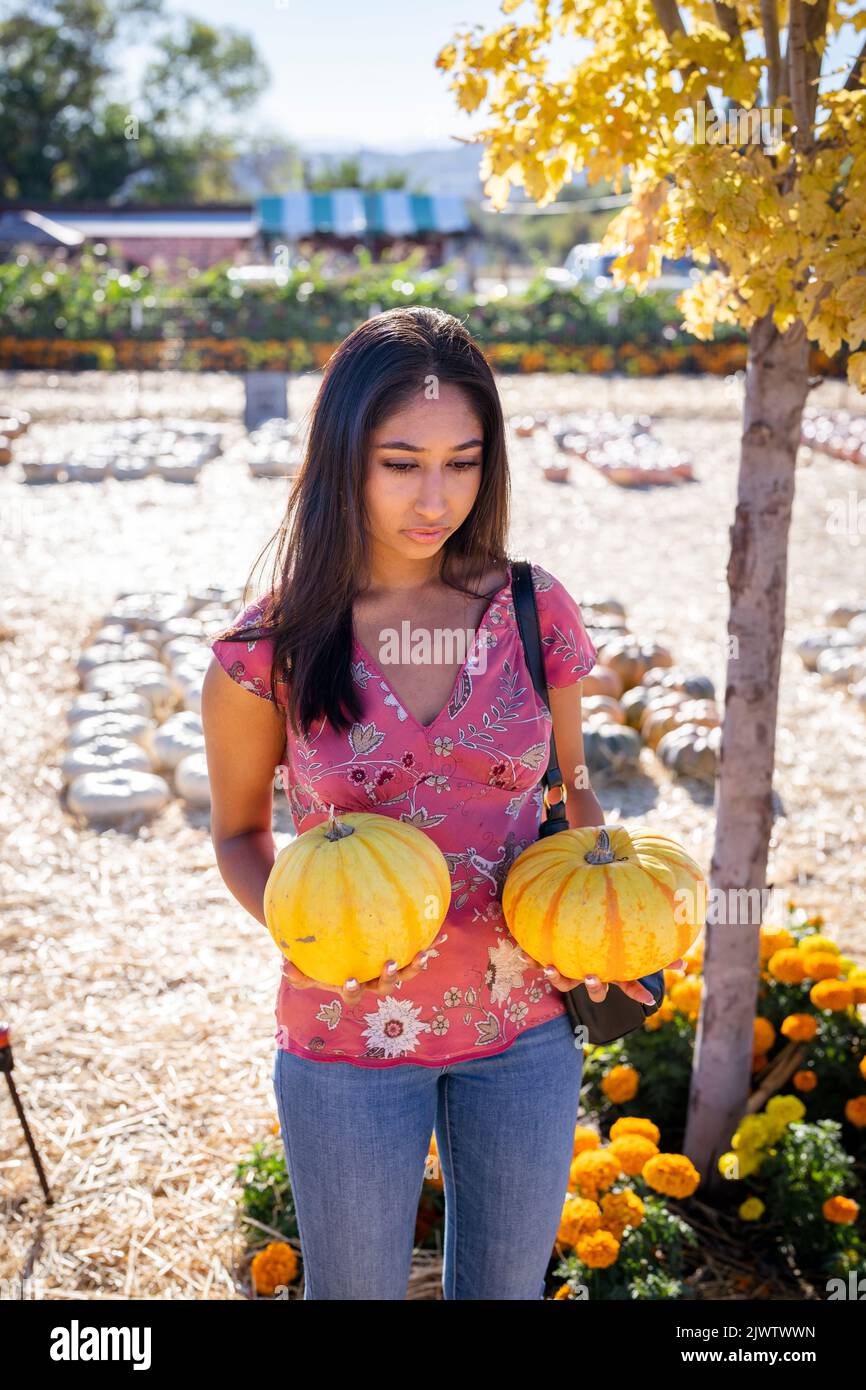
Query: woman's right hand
351	990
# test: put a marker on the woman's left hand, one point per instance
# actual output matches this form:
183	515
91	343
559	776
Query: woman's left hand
597	989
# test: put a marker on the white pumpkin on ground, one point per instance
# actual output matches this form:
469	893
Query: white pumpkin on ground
90	705
104	754
115	795
191	780
101	653
180	736
135	728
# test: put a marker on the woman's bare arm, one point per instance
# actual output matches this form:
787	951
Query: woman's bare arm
245	736
582	806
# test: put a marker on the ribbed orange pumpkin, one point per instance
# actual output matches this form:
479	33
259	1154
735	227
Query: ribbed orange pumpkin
354	891
605	901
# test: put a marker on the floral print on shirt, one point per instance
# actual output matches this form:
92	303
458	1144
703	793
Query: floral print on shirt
471	780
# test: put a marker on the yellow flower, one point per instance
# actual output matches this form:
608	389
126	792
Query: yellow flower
635	1124
805	1080
787	966
673	1174
822	965
753	1132
620	1084
598	1250
836	995
594	1171
633	1151
276	1265
752	1209
818	943
585	1138
579	1217
784	1109
857	981
774	939
686	996
855	1111
799	1027
840	1210
763	1035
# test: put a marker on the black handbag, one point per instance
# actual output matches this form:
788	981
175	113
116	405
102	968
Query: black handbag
617	1014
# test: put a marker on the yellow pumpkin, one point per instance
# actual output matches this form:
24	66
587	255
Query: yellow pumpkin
354	891
605	901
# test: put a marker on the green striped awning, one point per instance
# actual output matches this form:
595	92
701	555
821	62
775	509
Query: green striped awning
349	212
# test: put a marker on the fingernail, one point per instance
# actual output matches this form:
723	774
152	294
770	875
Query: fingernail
391	967
352	984
549	971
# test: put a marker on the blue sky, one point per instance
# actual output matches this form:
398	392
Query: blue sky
345	73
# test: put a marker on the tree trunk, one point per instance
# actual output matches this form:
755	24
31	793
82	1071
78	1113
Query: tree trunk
777	384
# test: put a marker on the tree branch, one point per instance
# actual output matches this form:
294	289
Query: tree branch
856	75
776	79
796	64
726	18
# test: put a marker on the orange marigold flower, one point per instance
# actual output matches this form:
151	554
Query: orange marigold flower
821	965
804	1080
564	1291
635	1124
620	1084
862	1067
774	939
594	1171
840	1210
787	966
633	1151
686	996
799	1027
276	1265
623	1208
585	1138
673	1174
836	995
580	1217
598	1250
855	1111
763	1035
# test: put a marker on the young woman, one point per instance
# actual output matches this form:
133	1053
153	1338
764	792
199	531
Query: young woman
399	517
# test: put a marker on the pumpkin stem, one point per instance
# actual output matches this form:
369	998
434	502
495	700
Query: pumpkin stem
336	829
602	852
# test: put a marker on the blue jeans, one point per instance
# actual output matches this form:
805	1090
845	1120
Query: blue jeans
356	1139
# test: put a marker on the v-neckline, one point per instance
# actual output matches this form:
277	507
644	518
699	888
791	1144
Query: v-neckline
425	728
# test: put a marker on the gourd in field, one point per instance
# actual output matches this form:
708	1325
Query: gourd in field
696	687
658	722
604	705
631	659
601	680
354	891
691	750
605	901
611	748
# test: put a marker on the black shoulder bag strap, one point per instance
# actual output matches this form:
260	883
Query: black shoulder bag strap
617	1014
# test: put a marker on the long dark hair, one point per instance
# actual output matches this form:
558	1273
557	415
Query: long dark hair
322	546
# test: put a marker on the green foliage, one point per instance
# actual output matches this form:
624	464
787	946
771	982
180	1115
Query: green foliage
663	1059
806	1166
266	1193
89	297
63	136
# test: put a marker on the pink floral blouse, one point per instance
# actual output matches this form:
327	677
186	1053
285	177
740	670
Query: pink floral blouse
471	781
